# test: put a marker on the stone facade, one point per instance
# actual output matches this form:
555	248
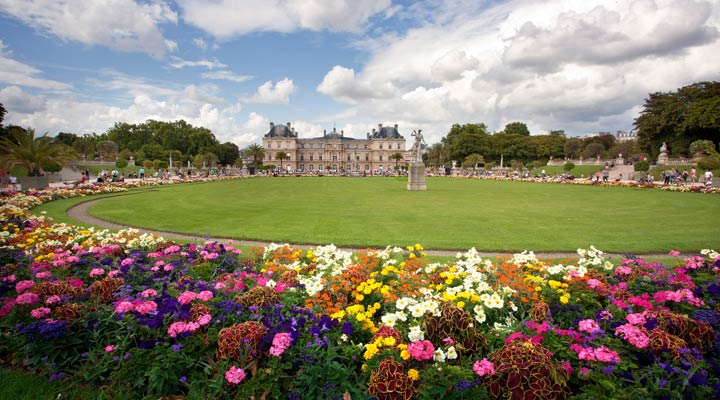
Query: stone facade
334	152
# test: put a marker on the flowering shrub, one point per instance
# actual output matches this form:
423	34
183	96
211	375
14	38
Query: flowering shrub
146	318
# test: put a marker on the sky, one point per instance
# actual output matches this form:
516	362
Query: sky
234	66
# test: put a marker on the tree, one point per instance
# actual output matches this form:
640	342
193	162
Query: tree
3	112
66	138
84	145
227	153
517	128
558	132
121	163
568	166
397	157
593	150
704	146
436	155
473	160
679	118
572	147
107	148
463	140
256	152
33	154
207	160
152	151
281	155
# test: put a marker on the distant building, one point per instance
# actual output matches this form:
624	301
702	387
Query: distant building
625	136
333	152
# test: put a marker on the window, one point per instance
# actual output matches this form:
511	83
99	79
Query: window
302	167
348	157
365	147
381	157
334	157
320	167
302	157
312	167
367	157
398	146
311	157
381	146
367	167
320	158
348	167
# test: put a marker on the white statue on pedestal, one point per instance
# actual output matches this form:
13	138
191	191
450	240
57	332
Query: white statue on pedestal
417	146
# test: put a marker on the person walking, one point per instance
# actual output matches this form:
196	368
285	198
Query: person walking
142	174
13	181
708	177
693	175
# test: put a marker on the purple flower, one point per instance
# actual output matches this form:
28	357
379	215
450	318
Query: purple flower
177	347
183	379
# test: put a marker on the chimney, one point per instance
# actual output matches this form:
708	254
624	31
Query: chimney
288	124
324	133
379	127
395	126
272	125
342	133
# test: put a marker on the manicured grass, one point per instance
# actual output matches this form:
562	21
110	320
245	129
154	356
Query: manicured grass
452	214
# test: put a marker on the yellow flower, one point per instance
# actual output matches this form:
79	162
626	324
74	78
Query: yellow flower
364	367
461	304
411	256
360	297
389	341
418	247
370	350
410	248
413	374
405	355
564	299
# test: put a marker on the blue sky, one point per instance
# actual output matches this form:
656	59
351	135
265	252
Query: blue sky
234	66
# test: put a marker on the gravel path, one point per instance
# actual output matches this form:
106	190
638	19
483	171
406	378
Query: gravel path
80	213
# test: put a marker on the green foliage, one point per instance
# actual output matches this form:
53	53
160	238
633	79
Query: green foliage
572	147
708	163
161	164
121	163
568	166
148	164
642	166
107	148
593	150
463	140
473	160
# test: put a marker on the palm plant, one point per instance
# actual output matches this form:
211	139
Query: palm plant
397	157
281	155
256	152
34	154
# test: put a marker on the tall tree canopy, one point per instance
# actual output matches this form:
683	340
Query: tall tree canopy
679	118
35	154
517	128
463	140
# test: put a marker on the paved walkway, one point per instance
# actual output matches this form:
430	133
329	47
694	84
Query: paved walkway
80	213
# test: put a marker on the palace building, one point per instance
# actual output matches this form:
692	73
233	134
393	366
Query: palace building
333	152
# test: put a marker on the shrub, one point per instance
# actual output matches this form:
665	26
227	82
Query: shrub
568	166
708	163
642	166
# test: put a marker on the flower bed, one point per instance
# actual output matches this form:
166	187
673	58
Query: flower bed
688	188
142	317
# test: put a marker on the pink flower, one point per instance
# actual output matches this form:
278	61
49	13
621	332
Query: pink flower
146	307
186	297
110	348
449	341
633	335
484	367
127	262
27	298
421	350
24	285
43	275
235	375
205	295
171	249
567	367
40	312
96	272
593	283
9	278
53	299
604	354
280	343
113	273
220	286
588	325
674	253
204	319
636	318
124	306
148	293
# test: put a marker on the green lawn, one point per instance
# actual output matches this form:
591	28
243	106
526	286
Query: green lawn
452	214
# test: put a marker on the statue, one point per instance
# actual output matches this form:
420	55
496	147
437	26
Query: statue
417	146
663	148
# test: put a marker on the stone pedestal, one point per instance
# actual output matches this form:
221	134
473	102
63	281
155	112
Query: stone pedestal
416	176
662	159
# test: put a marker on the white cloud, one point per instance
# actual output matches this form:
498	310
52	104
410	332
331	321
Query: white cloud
121	25
278	94
15	99
178	62
16	73
200	43
226	75
227	18
579	65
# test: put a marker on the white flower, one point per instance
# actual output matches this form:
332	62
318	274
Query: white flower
389	320
451	353
439	356
401	303
479	314
417	310
416	333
